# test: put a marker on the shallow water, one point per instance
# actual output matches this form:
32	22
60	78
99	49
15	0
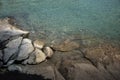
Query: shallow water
101	17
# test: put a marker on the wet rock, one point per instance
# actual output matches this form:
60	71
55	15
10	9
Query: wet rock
15	68
36	57
48	51
38	44
25	49
67	45
11	50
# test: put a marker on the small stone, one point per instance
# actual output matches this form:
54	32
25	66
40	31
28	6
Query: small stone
14	68
36	57
12	49
48	51
39	56
26	49
39	44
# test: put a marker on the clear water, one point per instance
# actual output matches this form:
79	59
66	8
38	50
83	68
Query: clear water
101	17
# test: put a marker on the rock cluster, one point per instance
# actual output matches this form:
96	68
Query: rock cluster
15	46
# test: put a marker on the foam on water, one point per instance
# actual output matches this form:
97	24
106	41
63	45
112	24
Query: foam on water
99	16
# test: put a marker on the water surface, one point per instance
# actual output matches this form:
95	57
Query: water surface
102	17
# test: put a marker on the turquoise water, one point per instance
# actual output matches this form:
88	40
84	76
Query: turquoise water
101	17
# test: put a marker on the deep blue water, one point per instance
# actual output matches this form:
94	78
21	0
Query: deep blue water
101	17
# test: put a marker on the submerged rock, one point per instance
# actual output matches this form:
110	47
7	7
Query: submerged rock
67	45
25	49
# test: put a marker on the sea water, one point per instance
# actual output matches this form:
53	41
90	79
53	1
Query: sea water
101	17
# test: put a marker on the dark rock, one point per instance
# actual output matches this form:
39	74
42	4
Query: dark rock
25	49
11	50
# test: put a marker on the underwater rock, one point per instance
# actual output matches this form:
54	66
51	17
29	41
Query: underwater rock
67	45
25	49
48	51
11	50
38	44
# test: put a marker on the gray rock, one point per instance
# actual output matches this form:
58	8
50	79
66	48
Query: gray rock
15	68
25	49
7	30
12	49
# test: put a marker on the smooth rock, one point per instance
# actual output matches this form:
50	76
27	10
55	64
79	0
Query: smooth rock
15	68
36	57
39	56
38	44
67	45
48	51
11	50
25	49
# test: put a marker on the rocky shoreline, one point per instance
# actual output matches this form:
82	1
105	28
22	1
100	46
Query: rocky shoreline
64	60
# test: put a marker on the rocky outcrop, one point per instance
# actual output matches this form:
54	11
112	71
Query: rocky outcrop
15	46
